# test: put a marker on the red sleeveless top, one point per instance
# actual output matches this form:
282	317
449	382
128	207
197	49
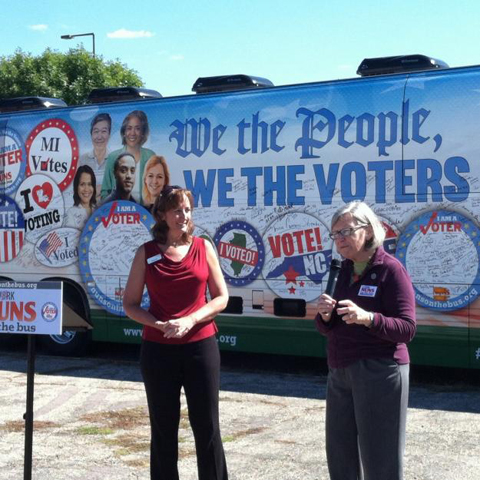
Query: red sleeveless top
177	289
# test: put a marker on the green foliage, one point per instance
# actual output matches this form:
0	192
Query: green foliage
70	76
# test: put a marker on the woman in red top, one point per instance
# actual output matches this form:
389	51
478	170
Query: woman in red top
179	348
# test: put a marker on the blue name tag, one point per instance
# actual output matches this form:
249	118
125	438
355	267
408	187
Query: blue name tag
154	258
367	291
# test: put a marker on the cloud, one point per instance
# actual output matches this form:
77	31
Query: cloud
123	33
177	57
41	27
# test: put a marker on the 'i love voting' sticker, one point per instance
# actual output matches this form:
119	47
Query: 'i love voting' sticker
41	202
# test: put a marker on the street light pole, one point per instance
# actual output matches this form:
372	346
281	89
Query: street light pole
69	37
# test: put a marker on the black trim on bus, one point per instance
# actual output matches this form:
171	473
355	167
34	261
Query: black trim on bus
289	307
234	305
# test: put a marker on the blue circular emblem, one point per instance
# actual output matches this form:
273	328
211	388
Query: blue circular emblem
441	251
13	160
107	246
241	252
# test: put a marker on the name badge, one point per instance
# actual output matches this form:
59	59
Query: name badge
367	291
154	258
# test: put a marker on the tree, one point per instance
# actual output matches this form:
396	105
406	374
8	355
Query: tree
70	76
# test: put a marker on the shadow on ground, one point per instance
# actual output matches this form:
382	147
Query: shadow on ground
431	388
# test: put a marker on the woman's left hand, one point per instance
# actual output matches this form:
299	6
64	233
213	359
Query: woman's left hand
352	313
178	328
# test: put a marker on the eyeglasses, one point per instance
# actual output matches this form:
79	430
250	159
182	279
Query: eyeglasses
346	232
167	190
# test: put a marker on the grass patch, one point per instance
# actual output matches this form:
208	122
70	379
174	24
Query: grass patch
132	443
138	463
242	433
19	426
126	419
122	452
94	430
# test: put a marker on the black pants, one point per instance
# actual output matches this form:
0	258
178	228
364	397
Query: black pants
196	367
366	420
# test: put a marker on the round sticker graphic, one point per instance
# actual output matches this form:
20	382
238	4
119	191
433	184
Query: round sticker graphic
58	248
42	205
298	256
12	230
49	312
439	245
108	244
391	236
12	160
241	252
52	149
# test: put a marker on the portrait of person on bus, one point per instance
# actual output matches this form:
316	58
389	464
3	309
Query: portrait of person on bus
155	176
179	346
368	320
134	133
100	129
124	171
84	199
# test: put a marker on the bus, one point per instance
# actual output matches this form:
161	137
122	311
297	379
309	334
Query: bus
268	166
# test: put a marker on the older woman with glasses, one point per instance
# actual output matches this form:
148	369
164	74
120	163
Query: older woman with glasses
179	348
368	322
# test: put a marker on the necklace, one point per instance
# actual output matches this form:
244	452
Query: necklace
176	243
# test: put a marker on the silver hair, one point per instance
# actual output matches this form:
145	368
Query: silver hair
363	215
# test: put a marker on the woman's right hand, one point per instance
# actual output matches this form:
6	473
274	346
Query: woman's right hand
325	307
162	326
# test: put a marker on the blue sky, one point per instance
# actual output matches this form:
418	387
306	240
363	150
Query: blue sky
171	44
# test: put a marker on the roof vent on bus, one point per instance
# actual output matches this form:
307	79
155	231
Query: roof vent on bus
18	104
121	94
398	64
225	83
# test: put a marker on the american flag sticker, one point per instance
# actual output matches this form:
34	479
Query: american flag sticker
12	230
50	244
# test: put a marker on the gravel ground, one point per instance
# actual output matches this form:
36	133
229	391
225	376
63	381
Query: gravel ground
91	423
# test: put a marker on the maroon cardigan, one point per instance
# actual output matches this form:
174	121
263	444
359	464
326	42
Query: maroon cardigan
392	301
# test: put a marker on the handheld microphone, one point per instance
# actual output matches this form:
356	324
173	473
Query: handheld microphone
335	266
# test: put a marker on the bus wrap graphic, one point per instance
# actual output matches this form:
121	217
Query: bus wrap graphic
298	257
441	251
108	244
241	252
12	230
42	205
52	149
12	160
